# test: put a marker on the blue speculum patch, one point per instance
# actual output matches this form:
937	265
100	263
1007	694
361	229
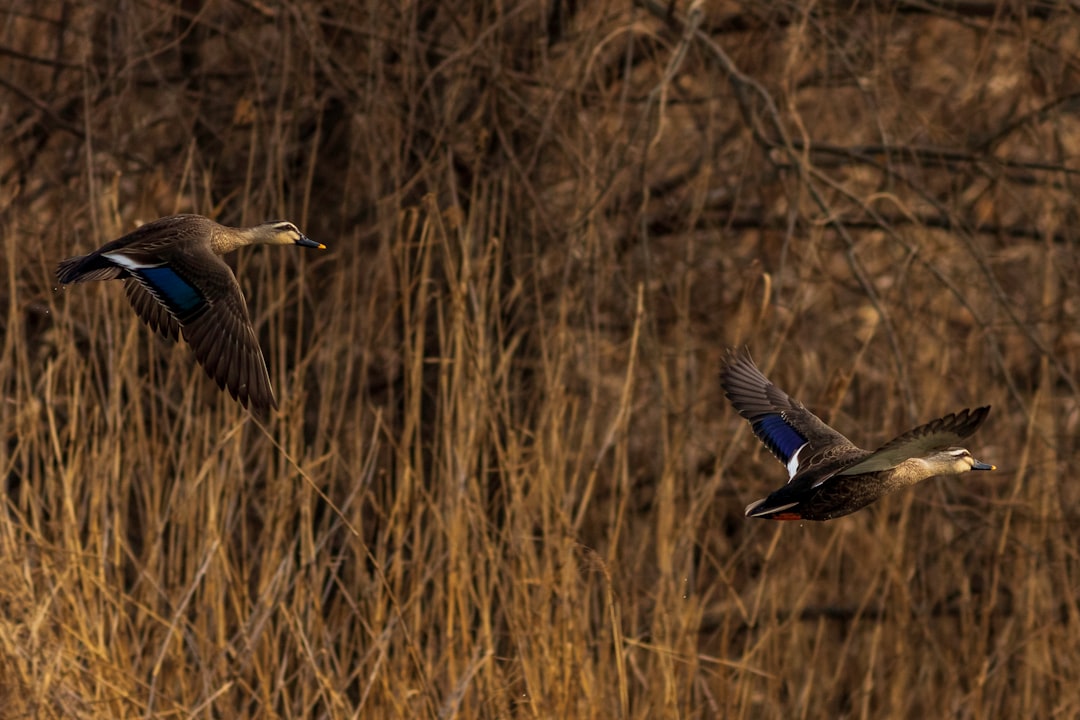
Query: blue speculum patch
180	295
778	436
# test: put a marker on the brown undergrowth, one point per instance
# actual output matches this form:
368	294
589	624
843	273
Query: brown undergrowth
503	481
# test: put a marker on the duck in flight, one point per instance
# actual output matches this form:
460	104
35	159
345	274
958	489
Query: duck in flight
178	284
828	475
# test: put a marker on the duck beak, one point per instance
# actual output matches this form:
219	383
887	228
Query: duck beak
308	242
982	466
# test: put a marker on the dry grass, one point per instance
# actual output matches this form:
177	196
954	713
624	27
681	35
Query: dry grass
503	481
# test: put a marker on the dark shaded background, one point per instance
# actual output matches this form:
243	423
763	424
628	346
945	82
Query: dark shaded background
503	481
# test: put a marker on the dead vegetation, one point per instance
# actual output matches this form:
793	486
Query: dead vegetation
503	481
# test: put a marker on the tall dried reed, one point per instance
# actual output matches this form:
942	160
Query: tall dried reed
503	481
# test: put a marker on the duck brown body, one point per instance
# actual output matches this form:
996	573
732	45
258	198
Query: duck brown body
829	476
178	284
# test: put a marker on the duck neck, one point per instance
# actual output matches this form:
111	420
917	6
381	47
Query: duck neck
909	472
226	239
